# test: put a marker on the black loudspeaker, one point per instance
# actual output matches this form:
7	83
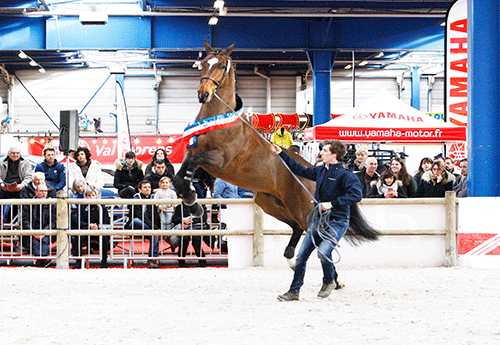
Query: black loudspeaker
69	130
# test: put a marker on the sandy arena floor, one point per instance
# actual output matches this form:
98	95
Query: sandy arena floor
226	306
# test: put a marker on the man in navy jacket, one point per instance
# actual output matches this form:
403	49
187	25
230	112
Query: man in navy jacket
54	171
337	189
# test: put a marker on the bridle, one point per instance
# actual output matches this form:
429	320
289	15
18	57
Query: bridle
226	71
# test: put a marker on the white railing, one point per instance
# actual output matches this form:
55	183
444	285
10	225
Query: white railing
10	233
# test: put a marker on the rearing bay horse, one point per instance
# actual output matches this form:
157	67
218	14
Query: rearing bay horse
224	144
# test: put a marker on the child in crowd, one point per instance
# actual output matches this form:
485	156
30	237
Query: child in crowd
166	211
387	186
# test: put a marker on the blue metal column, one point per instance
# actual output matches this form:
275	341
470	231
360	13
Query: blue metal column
483	98
322	65
415	88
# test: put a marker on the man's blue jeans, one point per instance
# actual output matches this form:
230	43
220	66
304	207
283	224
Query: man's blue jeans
45	242
138	224
312	240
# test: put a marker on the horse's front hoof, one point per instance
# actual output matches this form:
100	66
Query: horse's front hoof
291	263
196	210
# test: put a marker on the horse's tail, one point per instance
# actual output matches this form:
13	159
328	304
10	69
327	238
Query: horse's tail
360	229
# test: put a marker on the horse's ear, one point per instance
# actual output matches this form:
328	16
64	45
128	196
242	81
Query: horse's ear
228	50
208	49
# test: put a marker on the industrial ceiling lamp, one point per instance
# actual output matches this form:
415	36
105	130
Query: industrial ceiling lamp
22	55
213	20
219	5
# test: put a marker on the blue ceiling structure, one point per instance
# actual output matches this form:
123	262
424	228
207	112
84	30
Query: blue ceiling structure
274	35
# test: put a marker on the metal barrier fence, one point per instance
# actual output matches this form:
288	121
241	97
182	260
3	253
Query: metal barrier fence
133	244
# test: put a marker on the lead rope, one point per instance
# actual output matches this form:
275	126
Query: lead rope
316	213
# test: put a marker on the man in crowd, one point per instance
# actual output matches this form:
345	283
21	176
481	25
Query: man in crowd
15	174
40	217
460	185
143	217
159	170
54	171
368	174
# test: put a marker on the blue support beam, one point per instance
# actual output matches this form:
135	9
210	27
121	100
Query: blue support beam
322	64
415	88
483	98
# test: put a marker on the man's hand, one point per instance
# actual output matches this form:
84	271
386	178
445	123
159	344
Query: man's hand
276	149
325	206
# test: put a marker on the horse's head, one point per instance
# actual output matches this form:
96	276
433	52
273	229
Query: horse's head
217	67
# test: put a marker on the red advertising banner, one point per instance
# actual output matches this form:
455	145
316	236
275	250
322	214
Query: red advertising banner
105	148
456	63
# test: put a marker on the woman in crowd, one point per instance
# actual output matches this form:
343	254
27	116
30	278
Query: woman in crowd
387	186
398	167
128	174
436	182
86	169
160	154
425	165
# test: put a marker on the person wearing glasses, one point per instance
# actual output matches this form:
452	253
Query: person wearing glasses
435	182
15	173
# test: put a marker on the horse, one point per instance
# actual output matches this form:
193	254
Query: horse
222	142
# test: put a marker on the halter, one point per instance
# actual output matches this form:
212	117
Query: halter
226	71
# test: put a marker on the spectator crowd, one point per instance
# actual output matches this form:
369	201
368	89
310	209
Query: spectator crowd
134	179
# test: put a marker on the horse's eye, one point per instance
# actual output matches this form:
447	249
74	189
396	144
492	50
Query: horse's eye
222	67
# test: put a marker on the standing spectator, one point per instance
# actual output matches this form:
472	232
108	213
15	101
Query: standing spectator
90	217
40	217
425	165
282	138
450	167
460	185
145	217
436	182
160	154
359	162
166	211
86	169
15	174
55	172
398	167
368	174
128	174
387	186
159	171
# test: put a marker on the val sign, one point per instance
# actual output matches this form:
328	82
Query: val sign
385	118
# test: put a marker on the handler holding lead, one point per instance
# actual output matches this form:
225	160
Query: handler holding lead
336	190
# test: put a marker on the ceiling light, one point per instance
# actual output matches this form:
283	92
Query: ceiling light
33	63
213	20
197	64
348	67
219	4
379	55
42	70
22	55
363	63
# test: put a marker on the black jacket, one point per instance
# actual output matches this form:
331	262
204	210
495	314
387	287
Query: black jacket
85	215
125	177
39	217
149	214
